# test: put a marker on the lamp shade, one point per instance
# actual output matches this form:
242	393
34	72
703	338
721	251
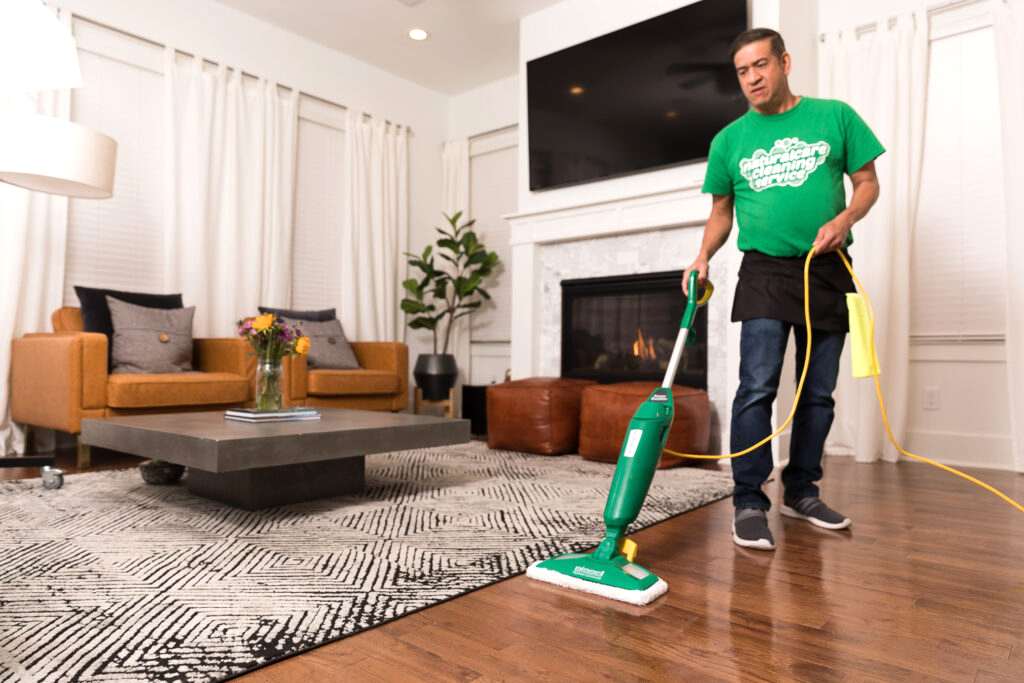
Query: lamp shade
50	155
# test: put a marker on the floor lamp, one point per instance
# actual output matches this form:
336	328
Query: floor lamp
43	153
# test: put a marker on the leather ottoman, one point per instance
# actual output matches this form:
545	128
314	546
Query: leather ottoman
607	409
536	415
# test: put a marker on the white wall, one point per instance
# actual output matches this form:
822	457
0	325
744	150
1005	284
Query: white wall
490	107
833	16
487	115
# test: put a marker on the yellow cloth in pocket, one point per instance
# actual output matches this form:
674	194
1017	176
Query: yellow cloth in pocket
862	351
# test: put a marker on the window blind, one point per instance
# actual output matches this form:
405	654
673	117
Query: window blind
958	259
117	242
316	281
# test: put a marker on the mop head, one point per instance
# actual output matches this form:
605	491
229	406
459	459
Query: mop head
618	578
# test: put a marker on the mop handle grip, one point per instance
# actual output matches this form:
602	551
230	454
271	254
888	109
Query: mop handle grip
695	299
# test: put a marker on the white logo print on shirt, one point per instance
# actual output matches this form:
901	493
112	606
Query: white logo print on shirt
788	163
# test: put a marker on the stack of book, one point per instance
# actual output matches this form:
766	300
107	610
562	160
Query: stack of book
285	415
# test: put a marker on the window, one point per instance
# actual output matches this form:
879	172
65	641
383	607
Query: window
316	282
959	260
117	242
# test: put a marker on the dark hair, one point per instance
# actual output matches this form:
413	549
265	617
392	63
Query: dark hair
755	34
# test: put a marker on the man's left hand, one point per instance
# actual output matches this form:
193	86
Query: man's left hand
832	235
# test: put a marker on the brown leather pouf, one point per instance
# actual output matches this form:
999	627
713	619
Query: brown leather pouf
535	415
608	408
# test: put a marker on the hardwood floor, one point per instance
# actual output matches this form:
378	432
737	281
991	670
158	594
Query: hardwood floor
65	460
928	585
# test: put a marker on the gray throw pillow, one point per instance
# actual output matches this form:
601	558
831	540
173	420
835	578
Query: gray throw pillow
150	340
328	347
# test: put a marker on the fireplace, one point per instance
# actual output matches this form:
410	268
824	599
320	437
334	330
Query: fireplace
622	328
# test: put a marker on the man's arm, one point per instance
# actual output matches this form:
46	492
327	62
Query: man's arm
833	234
716	232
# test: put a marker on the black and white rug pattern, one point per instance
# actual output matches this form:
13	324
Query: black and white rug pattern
109	579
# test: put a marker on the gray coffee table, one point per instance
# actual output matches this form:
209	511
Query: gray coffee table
254	466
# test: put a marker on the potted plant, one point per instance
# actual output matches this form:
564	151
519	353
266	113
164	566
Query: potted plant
444	294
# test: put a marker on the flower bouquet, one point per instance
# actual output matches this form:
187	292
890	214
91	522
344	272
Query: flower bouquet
272	339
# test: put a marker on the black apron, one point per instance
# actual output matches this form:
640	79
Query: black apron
773	287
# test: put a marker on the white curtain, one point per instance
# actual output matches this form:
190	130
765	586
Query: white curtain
1009	31
374	229
883	75
33	238
229	191
455	198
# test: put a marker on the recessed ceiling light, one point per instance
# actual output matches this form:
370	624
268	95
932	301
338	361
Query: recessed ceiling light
418	34
577	90
671	115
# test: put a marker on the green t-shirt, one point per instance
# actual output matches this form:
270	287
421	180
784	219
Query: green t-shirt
786	171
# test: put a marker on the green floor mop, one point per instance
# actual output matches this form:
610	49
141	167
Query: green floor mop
610	571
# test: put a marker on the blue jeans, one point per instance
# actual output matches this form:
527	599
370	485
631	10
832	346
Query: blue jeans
762	346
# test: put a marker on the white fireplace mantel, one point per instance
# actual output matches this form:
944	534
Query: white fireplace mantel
529	232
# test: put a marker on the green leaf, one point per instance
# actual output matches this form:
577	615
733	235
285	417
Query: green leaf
414	307
411	286
423	323
449	244
483	292
454	219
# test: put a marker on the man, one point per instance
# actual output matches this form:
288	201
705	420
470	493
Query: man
781	167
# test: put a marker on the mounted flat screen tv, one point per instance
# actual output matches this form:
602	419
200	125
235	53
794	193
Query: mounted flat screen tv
647	96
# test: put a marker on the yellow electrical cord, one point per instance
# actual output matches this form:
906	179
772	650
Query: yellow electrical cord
878	392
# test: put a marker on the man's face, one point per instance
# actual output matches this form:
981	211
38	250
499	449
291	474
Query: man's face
761	73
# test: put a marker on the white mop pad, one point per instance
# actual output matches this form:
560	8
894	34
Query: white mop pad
633	597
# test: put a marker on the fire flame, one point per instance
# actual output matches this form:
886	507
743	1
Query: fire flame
643	348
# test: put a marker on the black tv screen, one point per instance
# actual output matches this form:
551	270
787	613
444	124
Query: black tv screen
647	96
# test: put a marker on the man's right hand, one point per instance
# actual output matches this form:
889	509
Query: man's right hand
701	266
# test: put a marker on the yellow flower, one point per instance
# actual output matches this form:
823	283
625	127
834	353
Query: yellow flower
302	345
263	322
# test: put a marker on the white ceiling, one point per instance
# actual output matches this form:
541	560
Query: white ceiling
471	42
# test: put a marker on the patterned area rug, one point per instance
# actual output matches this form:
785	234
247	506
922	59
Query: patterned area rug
109	579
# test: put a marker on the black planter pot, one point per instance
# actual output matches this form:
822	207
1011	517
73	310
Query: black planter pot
435	375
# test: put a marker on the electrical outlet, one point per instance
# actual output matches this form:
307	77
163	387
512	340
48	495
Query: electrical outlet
931	398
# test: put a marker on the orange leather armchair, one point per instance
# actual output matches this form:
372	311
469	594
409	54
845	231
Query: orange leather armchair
382	383
59	378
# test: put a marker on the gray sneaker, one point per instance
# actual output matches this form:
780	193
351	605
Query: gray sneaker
750	529
816	512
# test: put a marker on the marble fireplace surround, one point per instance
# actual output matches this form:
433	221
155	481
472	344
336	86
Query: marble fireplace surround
640	234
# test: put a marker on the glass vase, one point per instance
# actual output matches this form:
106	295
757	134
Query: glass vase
268	384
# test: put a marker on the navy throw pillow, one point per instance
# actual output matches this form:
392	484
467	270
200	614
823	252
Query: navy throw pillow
313	316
